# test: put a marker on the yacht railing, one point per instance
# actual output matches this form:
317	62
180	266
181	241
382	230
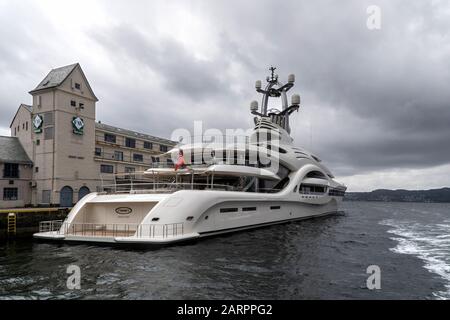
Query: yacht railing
113	230
170	182
161	187
48	226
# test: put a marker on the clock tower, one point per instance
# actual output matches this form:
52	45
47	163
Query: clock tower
63	136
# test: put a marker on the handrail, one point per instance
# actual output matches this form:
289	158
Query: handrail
161	186
113	230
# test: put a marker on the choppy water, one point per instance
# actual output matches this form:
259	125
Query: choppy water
314	259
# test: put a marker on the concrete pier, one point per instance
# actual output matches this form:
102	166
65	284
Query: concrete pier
27	220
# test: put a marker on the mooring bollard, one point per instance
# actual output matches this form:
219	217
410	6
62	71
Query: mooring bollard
12	223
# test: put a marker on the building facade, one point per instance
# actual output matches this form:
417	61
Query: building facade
70	153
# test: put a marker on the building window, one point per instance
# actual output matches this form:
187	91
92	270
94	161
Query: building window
169	161
138	157
118	155
163	148
148	145
23	126
49	133
130	143
10	194
73	103
48	119
110	138
77	86
46	196
15	131
98	152
26	125
38	142
36	169
11	170
106	168
155	159
81	105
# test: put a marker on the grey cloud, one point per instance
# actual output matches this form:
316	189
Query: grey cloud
392	83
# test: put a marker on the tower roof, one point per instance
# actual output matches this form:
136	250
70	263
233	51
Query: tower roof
55	77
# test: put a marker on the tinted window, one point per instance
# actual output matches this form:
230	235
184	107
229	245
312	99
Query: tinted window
104	168
110	138
11	170
130	143
138	157
118	155
10	194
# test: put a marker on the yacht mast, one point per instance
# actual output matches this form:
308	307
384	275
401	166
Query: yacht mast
276	89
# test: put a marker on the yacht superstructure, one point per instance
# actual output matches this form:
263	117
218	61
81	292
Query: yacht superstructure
220	186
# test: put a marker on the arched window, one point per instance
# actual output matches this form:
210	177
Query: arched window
66	197
83	192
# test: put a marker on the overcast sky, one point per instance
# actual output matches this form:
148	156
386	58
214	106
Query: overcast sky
375	103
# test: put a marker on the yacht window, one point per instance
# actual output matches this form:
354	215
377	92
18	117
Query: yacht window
224	210
190	218
275	207
336	192
316	174
295	189
155	219
249	209
310	189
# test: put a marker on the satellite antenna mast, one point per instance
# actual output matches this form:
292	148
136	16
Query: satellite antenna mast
276	89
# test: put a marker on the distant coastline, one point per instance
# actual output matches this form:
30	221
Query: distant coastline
400	195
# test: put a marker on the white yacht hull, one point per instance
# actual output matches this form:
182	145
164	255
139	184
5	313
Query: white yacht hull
181	216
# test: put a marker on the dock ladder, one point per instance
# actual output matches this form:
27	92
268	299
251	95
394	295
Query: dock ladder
12	223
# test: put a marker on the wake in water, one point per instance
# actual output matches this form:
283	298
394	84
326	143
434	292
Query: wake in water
429	242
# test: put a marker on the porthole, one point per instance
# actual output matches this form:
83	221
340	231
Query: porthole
206	217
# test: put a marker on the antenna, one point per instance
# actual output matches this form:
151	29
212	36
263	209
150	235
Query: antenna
275	89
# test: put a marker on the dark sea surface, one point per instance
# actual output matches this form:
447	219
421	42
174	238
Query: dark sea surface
324	258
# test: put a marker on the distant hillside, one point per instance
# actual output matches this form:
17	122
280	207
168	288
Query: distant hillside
433	195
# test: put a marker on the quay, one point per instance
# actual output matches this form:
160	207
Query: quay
23	222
